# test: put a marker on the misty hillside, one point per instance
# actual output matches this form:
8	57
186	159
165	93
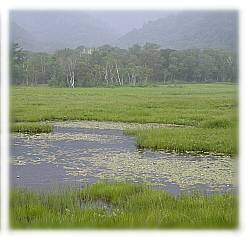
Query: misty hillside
23	37
51	30
187	30
46	31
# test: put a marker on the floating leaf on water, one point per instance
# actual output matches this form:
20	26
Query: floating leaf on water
107	159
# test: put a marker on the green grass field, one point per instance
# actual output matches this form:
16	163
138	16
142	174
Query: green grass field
190	104
211	109
124	206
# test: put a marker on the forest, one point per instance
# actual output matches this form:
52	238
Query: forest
112	66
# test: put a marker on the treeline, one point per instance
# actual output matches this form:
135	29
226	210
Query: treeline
112	66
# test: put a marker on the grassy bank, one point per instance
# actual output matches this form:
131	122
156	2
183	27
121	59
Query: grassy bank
31	128
201	140
210	108
121	206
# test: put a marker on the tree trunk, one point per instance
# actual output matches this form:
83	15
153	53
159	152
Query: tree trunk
118	75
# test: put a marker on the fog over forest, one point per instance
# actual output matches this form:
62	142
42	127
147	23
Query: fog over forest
131	48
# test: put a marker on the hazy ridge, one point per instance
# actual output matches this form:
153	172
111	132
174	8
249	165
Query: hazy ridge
48	31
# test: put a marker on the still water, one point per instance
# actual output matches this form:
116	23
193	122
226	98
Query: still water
80	153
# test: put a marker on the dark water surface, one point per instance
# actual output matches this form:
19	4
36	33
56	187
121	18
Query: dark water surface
77	156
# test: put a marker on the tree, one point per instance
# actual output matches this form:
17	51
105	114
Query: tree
17	63
112	66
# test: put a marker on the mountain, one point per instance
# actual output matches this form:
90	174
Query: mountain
188	29
123	21
21	36
51	30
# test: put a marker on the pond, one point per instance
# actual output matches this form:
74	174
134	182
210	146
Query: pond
80	153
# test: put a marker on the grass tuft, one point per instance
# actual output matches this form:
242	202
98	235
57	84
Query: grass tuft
199	140
31	128
106	205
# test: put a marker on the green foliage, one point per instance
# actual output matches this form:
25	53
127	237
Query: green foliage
17	64
207	65
112	66
105	205
31	128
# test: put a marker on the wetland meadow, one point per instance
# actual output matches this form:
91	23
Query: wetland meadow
162	156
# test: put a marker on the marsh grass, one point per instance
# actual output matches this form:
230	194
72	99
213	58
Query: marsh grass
211	110
188	104
31	128
199	140
111	205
